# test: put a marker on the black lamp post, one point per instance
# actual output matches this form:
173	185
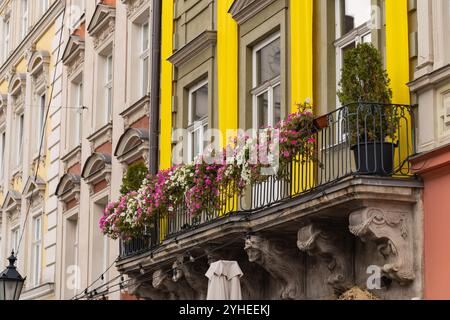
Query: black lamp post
11	282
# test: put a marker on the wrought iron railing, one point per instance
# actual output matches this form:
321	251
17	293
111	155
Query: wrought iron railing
358	139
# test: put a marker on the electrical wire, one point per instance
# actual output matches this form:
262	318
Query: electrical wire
164	273
30	200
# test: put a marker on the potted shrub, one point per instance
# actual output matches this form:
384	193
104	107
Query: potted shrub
370	121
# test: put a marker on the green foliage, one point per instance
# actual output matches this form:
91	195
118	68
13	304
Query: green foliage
364	80
134	177
363	77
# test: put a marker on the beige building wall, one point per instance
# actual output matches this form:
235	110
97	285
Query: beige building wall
105	47
29	84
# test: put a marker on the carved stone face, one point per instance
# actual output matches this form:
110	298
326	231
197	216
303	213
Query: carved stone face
253	249
177	272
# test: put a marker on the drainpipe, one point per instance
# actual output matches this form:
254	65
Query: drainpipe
155	87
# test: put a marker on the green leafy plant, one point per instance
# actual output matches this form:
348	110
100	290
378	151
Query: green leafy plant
365	90
134	177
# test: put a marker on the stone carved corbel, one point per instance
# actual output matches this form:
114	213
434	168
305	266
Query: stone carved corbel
176	291
389	230
145	290
189	273
285	265
329	245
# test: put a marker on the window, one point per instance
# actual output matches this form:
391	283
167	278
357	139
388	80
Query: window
2	154
266	82
79	113
6	39
20	129
352	28
144	57
15	239
198	119
42	100
36	249
353	14
71	267
108	87
24	18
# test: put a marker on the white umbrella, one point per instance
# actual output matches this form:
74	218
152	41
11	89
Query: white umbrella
224	281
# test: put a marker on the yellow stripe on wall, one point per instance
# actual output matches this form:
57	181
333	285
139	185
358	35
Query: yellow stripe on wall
227	61
397	49
166	84
301	51
397	65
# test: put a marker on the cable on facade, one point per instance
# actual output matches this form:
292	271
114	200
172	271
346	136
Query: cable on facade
36	171
124	283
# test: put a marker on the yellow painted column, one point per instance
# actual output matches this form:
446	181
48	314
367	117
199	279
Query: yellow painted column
228	72
301	51
301	77
397	65
397	49
166	84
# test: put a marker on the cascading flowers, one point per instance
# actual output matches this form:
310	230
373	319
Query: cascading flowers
197	187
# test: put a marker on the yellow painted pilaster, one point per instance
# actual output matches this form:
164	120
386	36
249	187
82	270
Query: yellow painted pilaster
397	49
227	60
397	65
166	84
301	51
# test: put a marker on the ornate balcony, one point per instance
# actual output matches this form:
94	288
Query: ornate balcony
356	206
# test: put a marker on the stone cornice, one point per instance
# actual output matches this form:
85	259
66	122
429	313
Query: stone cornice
431	79
243	10
203	41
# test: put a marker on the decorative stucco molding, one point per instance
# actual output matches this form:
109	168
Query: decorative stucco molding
136	111
132	145
102	25
284	263
68	187
134	6
328	244
388	229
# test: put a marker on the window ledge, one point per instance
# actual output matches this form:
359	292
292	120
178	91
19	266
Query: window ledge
38	292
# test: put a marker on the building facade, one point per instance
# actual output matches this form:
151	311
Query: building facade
75	106
30	89
431	89
105	129
247	64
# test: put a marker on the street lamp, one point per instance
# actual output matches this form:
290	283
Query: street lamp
11	282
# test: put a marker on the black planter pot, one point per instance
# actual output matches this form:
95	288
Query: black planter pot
374	158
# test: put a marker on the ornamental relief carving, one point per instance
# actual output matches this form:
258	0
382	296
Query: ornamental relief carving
284	263
76	64
133	6
330	246
389	230
105	34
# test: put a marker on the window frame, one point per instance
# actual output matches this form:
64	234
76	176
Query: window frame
20	138
194	126
36	250
108	87
266	87
15	237
6	38
24	19
2	153
143	56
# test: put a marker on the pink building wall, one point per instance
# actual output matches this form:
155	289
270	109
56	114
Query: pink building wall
434	168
